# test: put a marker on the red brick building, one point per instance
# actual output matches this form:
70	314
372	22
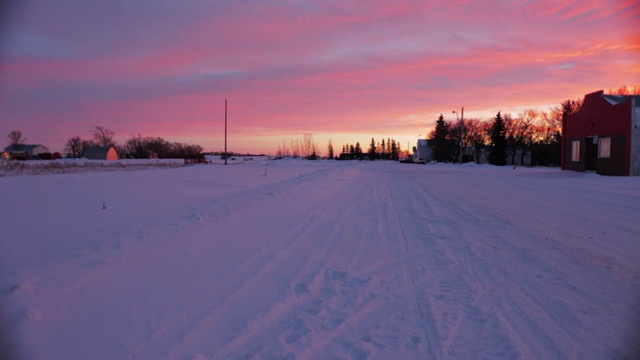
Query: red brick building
603	136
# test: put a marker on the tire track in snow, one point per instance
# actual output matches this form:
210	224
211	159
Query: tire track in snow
493	281
507	282
454	298
298	301
426	321
344	305
276	265
193	319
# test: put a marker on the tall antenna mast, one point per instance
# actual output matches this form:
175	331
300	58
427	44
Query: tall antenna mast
226	155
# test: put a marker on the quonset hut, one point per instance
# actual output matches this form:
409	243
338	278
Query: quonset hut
100	153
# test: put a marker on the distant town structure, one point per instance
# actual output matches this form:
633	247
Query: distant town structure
100	153
24	152
603	135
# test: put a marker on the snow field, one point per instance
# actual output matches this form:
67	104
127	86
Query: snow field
317	260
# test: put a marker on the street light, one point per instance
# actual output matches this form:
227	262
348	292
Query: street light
461	121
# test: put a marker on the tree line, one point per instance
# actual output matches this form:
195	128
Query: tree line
532	132
384	150
305	147
137	147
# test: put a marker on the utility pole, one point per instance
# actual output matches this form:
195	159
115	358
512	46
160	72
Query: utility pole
225	132
461	132
461	124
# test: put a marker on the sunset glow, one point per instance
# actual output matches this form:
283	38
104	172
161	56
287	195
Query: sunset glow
348	71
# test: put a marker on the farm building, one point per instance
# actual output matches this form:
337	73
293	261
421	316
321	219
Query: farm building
603	135
101	153
24	152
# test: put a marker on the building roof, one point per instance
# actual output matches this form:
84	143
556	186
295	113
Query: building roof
22	147
97	152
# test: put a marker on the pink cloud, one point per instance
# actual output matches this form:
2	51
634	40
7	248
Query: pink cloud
311	67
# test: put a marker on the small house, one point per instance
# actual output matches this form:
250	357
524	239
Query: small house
24	152
603	135
100	153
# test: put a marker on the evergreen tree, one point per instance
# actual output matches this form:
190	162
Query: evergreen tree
394	150
498	154
330	150
358	151
372	149
439	142
383	148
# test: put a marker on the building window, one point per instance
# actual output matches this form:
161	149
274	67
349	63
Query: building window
604	147
575	150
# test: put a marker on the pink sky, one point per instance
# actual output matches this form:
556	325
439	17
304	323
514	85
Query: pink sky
347	71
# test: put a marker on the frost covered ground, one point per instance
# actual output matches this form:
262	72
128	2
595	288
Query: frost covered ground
321	260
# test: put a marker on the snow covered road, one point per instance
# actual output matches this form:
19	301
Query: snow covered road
322	260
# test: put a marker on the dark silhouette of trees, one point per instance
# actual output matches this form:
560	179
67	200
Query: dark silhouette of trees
625	90
547	136
390	151
372	149
519	134
156	147
570	107
498	154
441	145
395	151
476	136
185	151
16	138
103	136
357	151
73	147
136	147
330	150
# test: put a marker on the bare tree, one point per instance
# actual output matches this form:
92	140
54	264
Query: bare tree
73	147
524	132
307	146
136	147
475	136
553	118
625	90
570	107
103	136
15	138
283	150
295	148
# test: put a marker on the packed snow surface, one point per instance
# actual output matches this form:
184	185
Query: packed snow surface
321	260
